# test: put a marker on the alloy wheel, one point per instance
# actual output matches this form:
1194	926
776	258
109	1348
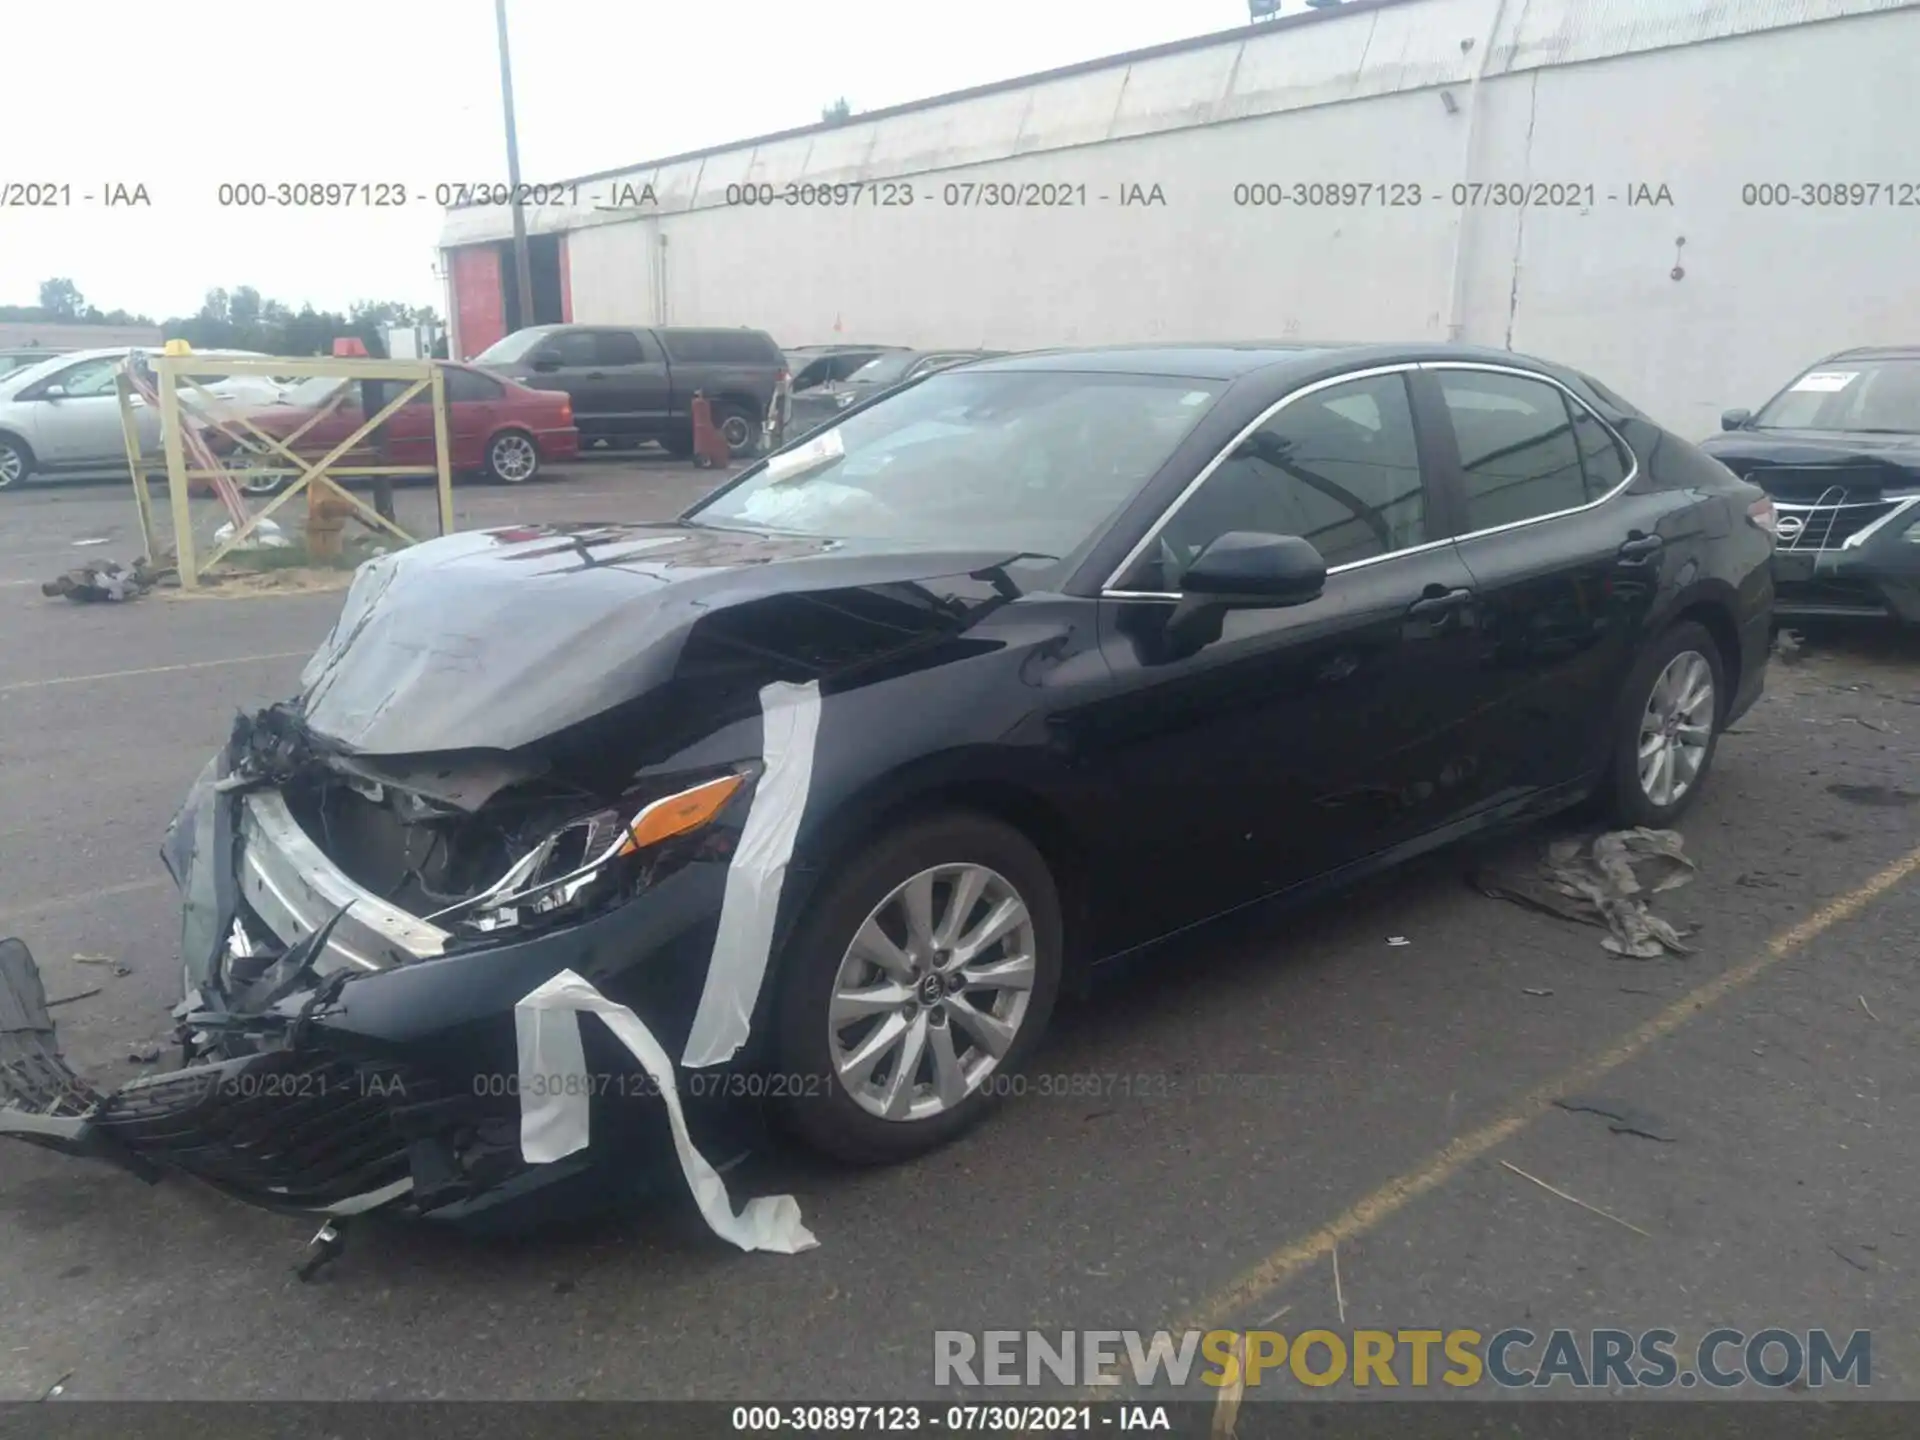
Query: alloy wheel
932	992
257	476
13	467
1676	728
514	458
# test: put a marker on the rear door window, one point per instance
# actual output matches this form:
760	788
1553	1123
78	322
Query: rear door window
727	347
1518	456
617	347
1605	465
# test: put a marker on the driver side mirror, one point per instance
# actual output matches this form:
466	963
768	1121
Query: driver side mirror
546	364
1242	570
54	392
1735	419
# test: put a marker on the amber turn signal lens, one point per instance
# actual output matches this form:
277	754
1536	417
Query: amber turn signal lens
677	814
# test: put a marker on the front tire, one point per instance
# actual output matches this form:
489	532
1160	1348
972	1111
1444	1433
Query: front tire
512	458
16	463
1675	703
921	980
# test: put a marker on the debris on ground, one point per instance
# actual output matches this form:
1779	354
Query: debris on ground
147	1054
1555	1190
1604	883
1525	991
107	581
1853	1255
266	535
1625	1117
69	999
1398	940
1787	646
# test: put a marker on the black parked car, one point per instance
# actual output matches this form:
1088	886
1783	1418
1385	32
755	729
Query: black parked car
1839	452
629	384
837	781
813	407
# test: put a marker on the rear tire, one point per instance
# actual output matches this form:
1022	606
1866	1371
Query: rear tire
938	1075
738	428
16	463
1669	727
512	458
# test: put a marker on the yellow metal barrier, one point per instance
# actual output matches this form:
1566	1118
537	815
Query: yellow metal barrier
173	368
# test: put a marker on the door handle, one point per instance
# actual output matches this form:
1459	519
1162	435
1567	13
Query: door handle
1640	548
596	374
1438	607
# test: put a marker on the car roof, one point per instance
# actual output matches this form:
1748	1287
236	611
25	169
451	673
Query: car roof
1230	360
1877	352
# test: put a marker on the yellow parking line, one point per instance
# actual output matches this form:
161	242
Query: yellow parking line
74	902
152	670
1219	1309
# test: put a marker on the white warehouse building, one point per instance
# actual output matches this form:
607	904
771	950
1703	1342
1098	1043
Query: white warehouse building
1693	199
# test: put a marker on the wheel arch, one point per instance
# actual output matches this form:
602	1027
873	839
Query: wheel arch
1712	604
14	437
1019	802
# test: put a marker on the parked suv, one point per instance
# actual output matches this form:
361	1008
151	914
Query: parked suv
629	383
1839	452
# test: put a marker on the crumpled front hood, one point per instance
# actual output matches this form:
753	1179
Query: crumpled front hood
494	639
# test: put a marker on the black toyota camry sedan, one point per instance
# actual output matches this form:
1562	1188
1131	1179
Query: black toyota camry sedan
820	795
1839	452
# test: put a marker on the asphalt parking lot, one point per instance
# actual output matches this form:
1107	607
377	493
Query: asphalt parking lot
1219	1126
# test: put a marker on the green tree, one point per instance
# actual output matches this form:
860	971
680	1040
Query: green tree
61	299
837	112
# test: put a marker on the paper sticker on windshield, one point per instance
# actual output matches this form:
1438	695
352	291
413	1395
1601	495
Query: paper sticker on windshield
810	456
1828	380
1196	397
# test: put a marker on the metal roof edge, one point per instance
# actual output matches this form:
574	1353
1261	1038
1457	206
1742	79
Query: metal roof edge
1239	34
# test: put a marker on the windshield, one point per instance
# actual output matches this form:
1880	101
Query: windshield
883	369
1863	396
1030	461
510	348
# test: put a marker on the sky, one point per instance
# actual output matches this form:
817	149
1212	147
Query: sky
184	97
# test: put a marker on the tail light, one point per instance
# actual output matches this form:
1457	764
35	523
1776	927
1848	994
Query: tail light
1761	513
566	410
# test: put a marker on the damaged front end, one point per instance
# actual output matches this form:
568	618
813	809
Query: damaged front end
356	934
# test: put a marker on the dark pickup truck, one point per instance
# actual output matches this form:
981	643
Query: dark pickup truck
630	383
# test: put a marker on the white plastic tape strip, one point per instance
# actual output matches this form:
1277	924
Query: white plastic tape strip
790	722
554	1108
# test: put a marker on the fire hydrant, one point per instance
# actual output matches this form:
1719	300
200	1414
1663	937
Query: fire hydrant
326	520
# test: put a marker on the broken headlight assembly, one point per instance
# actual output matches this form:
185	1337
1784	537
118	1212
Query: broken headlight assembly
587	861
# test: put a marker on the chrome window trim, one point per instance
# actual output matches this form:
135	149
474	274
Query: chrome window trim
1109	590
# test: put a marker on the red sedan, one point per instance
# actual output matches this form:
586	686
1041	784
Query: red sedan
495	427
